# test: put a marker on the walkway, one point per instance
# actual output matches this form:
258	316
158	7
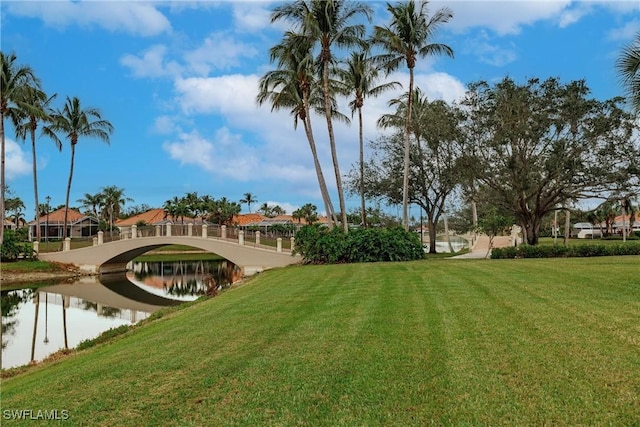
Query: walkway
480	249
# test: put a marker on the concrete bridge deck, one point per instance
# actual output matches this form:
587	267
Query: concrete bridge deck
114	256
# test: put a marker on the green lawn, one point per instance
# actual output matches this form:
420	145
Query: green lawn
444	342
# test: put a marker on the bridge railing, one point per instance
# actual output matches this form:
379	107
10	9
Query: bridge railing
252	238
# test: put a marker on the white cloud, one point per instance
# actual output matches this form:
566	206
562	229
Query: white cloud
229	94
490	53
503	17
225	155
627	31
218	51
16	160
151	63
139	18
249	17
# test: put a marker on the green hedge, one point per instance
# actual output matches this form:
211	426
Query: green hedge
320	245
546	251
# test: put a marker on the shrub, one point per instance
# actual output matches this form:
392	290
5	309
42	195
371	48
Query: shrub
321	246
585	250
13	248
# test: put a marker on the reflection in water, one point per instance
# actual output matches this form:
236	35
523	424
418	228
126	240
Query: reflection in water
185	278
39	322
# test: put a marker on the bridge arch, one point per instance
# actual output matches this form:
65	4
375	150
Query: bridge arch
114	256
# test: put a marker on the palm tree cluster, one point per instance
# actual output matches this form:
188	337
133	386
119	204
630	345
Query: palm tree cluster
191	205
107	205
309	75
25	104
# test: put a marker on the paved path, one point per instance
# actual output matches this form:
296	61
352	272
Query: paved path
480	249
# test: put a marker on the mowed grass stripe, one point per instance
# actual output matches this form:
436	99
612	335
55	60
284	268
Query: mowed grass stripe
466	342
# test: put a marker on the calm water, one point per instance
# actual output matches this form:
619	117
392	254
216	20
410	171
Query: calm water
39	322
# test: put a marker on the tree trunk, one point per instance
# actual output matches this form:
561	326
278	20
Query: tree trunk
332	143
361	138
2	184
432	235
35	183
331	216
66	204
567	226
407	148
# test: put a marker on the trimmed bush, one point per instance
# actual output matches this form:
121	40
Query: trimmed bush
13	247
586	250
319	245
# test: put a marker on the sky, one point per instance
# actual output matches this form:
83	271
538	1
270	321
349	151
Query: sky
178	81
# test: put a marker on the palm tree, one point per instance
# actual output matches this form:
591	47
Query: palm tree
359	79
75	122
292	85
13	81
408	37
91	202
248	199
327	23
628	66
113	200
35	104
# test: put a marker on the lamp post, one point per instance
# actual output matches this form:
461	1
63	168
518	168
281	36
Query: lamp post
48	199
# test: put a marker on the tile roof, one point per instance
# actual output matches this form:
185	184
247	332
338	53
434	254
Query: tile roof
57	217
150	217
156	216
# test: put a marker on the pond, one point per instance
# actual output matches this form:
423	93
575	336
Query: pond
37	322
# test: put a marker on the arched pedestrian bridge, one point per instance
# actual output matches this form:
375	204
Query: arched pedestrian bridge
114	256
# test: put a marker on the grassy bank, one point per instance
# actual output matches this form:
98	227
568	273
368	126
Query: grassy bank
453	342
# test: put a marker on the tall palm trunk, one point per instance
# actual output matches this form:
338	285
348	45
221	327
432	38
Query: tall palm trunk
361	139
321	181
2	184
407	147
35	180
332	143
66	204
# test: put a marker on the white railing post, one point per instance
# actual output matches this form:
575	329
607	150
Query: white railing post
95	241
241	238
257	238
279	244
36	246
134	231
168	229
223	232
204	231
100	237
158	231
190	229
67	244
293	244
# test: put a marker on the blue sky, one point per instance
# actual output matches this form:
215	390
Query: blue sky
178	81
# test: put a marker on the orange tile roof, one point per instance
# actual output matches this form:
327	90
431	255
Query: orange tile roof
57	216
243	219
150	217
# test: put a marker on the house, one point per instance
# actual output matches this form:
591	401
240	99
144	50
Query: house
154	217
52	225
